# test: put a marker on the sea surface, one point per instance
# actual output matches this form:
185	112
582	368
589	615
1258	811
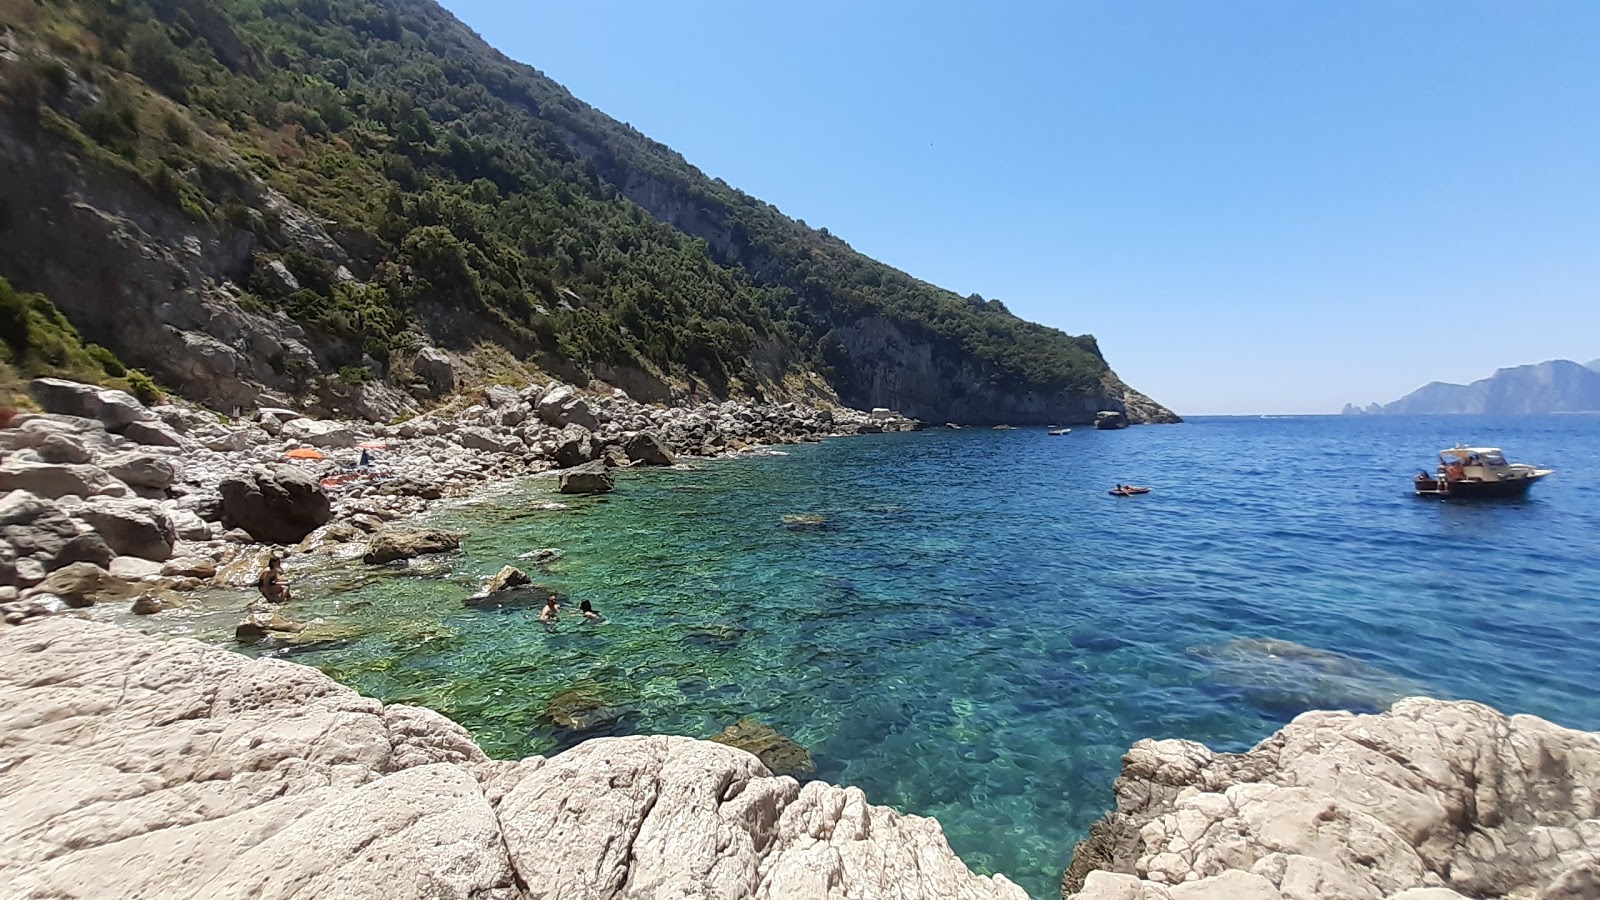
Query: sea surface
965	625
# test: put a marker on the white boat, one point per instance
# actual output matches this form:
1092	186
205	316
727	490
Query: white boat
1477	473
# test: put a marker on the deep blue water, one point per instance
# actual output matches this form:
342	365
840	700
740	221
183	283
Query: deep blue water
977	631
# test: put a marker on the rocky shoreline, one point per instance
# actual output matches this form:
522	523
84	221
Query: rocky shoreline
1432	800
141	767
106	500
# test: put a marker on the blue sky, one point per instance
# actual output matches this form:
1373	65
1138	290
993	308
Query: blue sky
1257	207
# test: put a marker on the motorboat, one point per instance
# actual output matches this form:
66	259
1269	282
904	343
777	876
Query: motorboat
1128	490
1057	432
1473	473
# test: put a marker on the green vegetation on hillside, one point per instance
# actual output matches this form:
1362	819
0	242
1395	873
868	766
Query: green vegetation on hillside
451	178
37	340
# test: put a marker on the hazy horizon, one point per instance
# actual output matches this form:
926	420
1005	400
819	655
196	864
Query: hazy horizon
1256	208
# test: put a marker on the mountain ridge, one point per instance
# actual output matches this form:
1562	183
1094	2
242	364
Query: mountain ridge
356	180
1553	386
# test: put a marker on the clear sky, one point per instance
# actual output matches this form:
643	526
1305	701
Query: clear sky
1257	207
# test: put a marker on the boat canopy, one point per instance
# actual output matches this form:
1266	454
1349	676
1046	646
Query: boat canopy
1474	456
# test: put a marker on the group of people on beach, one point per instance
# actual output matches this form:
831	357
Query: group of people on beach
275	588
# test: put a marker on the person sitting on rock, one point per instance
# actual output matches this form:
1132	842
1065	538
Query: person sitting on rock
589	614
272	584
551	611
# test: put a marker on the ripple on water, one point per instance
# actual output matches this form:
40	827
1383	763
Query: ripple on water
984	650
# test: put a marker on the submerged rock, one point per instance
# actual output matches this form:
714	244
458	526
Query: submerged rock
259	626
780	754
1430	800
805	522
394	543
155	600
1283	679
511	599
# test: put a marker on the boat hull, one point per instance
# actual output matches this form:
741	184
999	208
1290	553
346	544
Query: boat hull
1504	489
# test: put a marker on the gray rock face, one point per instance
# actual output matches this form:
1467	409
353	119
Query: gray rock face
61	448
561	406
84	584
648	449
897	370
482	439
318	433
589	478
115	410
436	370
1110	420
1428	801
168	768
144	469
276	504
152	434
574	447
51	479
394	543
131	527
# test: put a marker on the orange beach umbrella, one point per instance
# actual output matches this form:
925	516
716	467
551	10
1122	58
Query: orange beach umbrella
306	453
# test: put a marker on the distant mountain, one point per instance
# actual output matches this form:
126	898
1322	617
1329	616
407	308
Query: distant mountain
1557	386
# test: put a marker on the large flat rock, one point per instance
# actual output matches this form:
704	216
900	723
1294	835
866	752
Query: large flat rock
137	767
1432	800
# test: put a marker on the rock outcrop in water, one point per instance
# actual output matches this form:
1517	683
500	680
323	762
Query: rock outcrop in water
1432	800
142	767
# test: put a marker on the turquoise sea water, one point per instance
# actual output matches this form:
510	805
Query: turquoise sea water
976	631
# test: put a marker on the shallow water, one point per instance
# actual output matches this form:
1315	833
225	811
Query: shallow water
974	630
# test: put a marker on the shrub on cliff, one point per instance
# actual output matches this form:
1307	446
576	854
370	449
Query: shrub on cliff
37	340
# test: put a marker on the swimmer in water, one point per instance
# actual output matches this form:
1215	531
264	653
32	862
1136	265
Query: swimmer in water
551	611
589	614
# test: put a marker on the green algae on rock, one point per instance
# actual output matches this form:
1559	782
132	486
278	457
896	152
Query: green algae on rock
779	753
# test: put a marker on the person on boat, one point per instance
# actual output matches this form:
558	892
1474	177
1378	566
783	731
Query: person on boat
589	614
272	584
551	611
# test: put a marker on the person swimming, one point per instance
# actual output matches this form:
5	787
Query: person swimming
589	614
551	611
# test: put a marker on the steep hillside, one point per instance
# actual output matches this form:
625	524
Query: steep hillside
1557	386
301	195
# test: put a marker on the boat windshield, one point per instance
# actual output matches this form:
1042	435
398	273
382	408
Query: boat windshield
1469	456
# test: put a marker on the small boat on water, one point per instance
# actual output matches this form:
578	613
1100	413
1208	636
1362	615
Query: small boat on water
1060	431
1128	490
1477	473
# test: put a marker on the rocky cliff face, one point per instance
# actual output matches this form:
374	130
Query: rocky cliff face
892	369
160	288
1429	801
136	767
889	367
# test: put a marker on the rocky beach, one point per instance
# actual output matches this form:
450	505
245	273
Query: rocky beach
106	500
